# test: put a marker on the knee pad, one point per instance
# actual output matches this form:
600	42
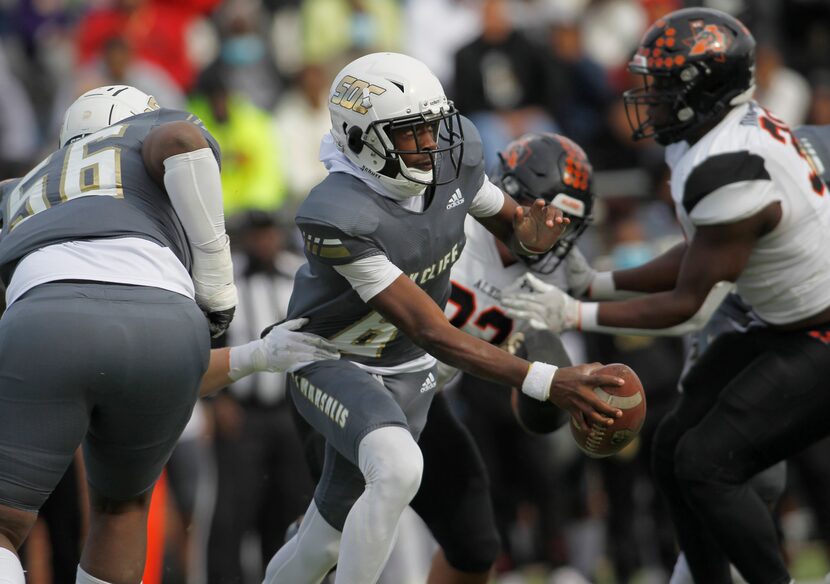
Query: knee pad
391	463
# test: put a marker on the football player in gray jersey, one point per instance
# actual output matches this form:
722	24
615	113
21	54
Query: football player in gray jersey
113	252
381	234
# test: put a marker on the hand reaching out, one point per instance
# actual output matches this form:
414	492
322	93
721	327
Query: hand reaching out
542	305
539	226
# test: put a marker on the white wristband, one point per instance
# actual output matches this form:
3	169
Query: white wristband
245	359
602	286
588	314
538	379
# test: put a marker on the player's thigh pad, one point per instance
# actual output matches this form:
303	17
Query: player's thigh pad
119	364
773	407
344	403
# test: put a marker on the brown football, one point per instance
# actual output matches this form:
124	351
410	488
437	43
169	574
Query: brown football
601	440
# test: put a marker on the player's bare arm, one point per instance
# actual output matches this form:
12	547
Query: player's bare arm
415	314
716	253
168	140
657	275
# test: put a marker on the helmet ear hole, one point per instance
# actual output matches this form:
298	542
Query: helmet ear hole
355	142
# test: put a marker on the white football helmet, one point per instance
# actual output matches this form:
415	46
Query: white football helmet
101	107
381	92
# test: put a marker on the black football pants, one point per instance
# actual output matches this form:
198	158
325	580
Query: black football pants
751	400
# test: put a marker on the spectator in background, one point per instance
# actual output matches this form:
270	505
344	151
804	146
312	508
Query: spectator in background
820	100
577	87
248	65
250	177
779	88
119	65
38	42
499	82
18	126
156	29
335	27
436	29
625	168
303	114
263	482
188	473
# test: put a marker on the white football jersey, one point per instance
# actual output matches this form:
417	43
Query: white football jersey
749	160
478	278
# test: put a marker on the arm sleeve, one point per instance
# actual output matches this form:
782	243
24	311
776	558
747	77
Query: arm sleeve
713	300
370	275
488	200
193	184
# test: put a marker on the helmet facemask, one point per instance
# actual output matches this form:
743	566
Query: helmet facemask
658	109
445	128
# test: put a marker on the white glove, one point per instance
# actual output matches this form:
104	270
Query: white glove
579	273
542	305
280	350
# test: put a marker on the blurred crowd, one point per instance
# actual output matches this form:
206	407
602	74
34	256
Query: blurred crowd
257	73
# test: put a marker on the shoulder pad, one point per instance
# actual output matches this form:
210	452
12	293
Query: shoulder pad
473	150
341	201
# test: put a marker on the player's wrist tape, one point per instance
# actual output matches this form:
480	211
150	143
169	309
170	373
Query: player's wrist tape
602	286
538	379
246	359
529	251
213	278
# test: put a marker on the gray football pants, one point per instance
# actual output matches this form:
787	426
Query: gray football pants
113	367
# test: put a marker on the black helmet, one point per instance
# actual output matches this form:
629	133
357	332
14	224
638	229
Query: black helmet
696	62
554	168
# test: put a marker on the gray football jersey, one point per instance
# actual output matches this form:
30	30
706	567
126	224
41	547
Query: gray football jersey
343	220
96	187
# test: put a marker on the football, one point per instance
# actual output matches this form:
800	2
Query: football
600	440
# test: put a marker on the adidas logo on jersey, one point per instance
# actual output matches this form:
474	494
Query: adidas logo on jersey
429	383
456	199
